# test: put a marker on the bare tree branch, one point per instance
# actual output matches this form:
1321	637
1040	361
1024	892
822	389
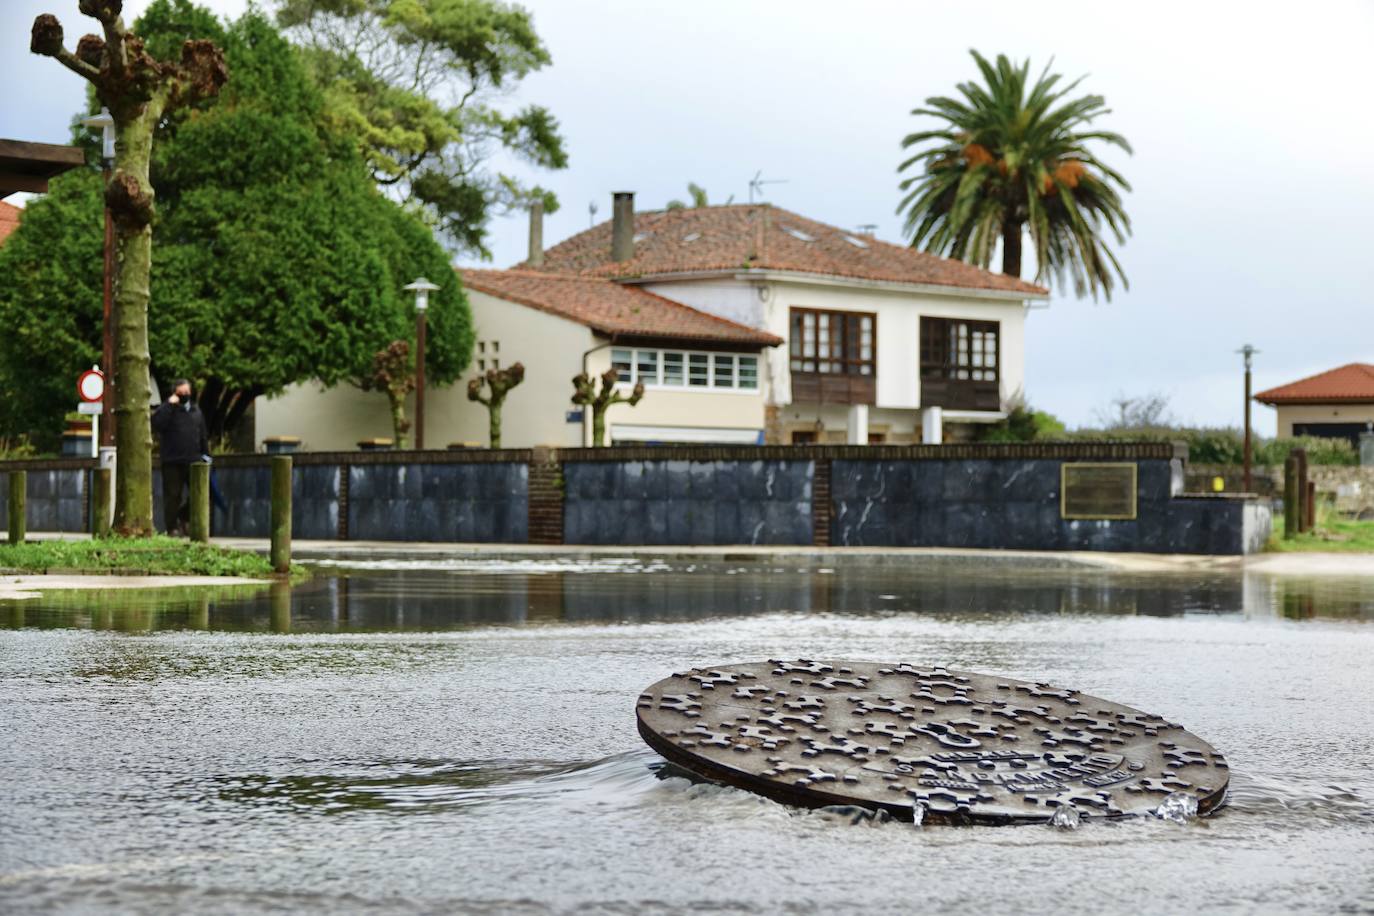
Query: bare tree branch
46	39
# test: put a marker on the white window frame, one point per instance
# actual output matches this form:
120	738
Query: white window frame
711	357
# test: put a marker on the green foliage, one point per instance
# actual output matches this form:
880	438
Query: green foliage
1013	154
416	81
158	556
1227	446
1024	424
50	307
1330	535
277	262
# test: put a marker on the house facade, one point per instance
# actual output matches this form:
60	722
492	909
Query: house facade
1338	404
745	323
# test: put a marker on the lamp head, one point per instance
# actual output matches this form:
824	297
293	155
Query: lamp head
106	124
421	288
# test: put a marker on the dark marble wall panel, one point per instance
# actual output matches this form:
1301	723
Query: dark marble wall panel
687	502
56	500
1014	504
439	502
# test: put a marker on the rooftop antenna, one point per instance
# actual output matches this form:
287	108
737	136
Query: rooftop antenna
591	213
758	181
867	228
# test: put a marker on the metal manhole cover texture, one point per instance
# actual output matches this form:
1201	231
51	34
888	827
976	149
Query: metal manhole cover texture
966	748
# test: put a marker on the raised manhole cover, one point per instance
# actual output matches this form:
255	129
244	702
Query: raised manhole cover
967	748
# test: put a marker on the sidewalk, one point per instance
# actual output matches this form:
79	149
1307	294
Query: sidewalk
1278	564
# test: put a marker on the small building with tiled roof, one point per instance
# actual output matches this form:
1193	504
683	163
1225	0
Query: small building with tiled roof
1337	404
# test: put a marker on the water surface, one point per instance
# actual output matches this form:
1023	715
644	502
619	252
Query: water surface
458	736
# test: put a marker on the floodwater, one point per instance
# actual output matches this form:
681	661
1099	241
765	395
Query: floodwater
458	736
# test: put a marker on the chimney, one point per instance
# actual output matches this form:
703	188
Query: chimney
536	256
622	225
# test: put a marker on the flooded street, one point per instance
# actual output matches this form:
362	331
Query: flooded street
429	736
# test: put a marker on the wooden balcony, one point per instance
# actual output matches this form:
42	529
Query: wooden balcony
958	394
829	388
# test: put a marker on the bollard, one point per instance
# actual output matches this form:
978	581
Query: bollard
281	513
100	503
200	502
19	491
1301	455
1290	497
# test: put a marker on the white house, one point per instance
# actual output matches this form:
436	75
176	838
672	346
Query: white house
746	323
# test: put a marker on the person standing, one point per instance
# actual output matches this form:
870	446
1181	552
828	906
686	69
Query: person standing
180	427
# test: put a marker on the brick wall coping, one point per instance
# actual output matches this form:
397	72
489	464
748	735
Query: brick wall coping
996	451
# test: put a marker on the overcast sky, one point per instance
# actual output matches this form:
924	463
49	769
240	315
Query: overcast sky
1251	122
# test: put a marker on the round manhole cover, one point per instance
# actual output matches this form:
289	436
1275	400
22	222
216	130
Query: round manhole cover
966	748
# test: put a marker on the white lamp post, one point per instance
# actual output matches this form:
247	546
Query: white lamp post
421	288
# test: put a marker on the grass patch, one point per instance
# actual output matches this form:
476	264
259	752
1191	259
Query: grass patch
155	556
1329	535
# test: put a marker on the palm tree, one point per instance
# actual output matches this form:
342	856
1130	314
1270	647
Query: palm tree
1013	155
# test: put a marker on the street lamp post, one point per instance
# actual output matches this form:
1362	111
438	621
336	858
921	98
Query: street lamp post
107	152
1247	351
421	288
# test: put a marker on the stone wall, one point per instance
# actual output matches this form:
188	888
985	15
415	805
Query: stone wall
975	495
1350	486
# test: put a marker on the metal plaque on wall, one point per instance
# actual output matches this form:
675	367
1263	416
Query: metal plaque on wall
1097	490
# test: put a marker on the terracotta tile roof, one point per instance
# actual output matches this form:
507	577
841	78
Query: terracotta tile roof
612	309
1351	382
762	236
9	219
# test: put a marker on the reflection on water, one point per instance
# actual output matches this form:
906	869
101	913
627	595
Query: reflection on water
415	596
458	738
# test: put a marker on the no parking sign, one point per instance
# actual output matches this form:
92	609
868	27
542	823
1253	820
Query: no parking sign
90	386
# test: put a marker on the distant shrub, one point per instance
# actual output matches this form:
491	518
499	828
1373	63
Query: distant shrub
1024	424
1220	445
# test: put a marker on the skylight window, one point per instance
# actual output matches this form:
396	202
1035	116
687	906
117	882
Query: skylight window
798	234
856	241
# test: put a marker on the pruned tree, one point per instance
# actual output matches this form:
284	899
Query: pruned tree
1149	411
393	374
499	382
139	91
586	395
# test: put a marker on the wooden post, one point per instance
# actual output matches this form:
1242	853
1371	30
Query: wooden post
200	502
1310	506
1301	455
100	503
19	492
1290	496
281	513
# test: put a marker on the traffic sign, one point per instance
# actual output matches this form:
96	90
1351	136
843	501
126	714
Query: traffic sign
91	385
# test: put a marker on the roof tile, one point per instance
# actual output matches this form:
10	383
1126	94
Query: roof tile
611	308
1351	382
9	220
761	236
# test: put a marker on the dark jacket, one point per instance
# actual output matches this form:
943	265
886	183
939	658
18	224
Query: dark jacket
181	429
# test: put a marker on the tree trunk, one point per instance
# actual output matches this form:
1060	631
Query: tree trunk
133	267
398	419
494	422
1011	249
598	425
